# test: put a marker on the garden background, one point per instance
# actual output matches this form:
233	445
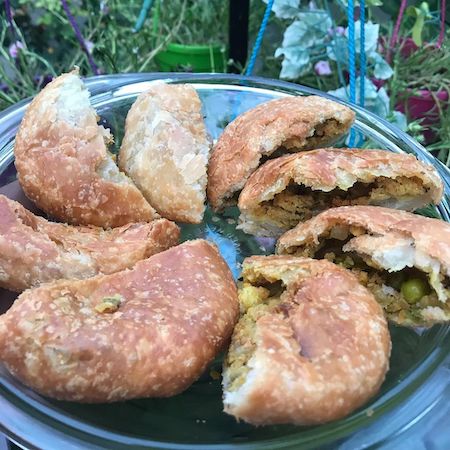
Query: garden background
406	47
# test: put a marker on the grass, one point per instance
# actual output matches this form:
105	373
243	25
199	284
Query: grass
204	22
18	74
427	68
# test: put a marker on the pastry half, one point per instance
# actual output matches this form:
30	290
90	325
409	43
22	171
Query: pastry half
311	346
145	332
403	258
34	250
271	129
293	188
63	163
165	150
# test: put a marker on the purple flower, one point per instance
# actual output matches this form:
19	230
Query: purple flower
338	31
322	68
89	46
14	49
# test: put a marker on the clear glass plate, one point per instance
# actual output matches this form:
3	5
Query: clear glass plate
195	419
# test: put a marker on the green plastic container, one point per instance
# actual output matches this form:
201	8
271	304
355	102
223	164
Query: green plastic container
192	58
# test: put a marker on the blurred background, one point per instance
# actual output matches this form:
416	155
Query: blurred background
406	48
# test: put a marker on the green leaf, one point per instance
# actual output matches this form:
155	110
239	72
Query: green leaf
294	34
303	39
371	39
417	30
368	3
337	49
285	9
296	62
382	70
376	100
421	13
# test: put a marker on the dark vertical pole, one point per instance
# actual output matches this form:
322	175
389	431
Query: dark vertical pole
238	34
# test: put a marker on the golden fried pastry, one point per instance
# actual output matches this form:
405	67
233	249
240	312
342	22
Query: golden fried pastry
63	163
293	188
165	150
271	129
34	250
145	332
403	258
311	346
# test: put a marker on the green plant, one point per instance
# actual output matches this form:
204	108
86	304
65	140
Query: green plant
205	21
18	68
426	68
44	43
441	148
420	14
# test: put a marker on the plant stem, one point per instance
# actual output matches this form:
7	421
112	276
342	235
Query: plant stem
396	31
146	6
79	37
166	40
8	10
442	31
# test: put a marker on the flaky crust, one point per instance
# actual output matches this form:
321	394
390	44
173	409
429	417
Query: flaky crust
34	250
328	169
320	354
63	164
177	310
165	150
289	123
429	236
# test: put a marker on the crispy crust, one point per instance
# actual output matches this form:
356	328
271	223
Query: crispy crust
165	150
287	123
34	251
389	241
59	157
178	309
320	354
429	236
327	169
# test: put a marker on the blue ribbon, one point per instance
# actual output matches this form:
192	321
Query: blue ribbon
259	38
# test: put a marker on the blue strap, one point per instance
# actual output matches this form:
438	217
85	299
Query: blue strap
351	61
259	38
362	54
146	7
351	51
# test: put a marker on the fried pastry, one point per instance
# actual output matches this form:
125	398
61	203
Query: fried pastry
165	150
311	346
34	250
271	129
401	257
294	188
149	331
63	163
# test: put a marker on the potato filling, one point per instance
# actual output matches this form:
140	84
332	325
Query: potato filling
407	296
330	127
255	301
298	203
